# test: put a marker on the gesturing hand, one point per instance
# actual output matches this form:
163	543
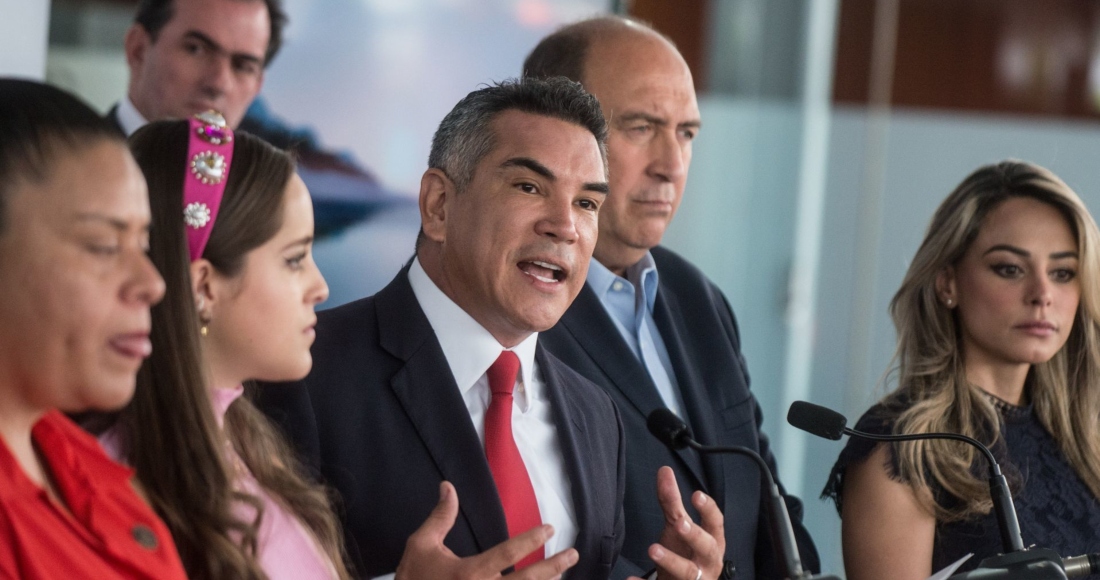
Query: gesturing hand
427	557
687	551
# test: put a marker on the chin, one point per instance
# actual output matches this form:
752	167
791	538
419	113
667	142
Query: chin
108	397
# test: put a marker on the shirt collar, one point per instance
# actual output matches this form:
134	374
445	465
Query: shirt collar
469	349
642	274
129	117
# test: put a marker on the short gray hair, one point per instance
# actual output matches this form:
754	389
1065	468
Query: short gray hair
465	137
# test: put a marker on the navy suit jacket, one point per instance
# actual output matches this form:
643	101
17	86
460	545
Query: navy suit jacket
700	332
112	117
381	417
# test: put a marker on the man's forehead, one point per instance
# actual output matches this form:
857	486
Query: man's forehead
559	145
232	24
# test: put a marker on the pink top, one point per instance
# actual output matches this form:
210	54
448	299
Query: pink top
286	549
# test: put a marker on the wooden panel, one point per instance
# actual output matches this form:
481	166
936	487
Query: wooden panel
684	21
1005	56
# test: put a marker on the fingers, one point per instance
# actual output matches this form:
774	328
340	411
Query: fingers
697	550
668	494
672	565
711	518
442	519
549	568
509	552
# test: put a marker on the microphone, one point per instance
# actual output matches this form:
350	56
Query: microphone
1016	563
674	433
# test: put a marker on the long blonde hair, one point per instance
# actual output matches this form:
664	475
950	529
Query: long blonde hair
929	366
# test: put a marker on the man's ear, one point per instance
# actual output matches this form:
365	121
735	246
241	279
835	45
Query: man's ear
435	190
135	45
946	288
204	284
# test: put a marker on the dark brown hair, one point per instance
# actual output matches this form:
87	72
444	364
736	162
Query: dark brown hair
169	433
37	123
153	15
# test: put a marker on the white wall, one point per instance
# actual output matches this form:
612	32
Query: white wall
24	32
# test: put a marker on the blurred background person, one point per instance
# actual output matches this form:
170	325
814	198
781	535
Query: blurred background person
74	328
189	56
998	320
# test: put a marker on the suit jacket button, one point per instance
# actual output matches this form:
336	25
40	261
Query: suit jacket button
144	536
728	570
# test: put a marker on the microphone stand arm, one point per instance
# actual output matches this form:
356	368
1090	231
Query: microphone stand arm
1009	525
782	532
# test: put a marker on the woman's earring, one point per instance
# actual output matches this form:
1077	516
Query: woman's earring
949	302
203	318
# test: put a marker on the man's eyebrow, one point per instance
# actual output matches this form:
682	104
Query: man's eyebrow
640	116
531	164
1026	254
597	186
212	45
655	120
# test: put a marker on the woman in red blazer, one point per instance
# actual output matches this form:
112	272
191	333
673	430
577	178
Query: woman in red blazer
74	328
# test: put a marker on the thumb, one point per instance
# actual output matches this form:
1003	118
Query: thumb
442	518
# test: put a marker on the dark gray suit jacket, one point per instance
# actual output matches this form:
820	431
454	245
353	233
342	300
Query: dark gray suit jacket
382	418
700	332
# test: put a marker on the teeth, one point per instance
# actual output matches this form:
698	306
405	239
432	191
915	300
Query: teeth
546	265
544	279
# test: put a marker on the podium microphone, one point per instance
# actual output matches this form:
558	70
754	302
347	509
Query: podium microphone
674	433
1016	563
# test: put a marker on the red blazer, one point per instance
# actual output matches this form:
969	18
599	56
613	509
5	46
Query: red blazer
107	531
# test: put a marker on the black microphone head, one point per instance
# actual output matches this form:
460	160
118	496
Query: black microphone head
817	420
670	429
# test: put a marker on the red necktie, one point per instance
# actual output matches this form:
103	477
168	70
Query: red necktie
513	484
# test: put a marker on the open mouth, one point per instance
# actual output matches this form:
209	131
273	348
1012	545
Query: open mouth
543	271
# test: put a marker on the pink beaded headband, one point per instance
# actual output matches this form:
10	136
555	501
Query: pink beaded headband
209	152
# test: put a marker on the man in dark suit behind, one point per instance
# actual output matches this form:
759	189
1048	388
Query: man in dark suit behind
654	342
406	388
189	56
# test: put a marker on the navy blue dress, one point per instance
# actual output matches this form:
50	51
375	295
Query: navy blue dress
1055	507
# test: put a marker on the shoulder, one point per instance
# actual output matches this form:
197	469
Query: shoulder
352	315
675	264
695	295
879	420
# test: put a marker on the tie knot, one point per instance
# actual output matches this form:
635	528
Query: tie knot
502	374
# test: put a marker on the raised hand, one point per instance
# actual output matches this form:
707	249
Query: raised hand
686	550
427	557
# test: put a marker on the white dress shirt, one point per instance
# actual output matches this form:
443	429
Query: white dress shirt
129	117
470	351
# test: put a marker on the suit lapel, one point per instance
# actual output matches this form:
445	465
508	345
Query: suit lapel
592	327
428	393
570	424
692	387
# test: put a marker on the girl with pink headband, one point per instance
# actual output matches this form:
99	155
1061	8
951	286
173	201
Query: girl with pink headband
231	234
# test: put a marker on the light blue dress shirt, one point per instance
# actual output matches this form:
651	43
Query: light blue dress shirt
632	312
